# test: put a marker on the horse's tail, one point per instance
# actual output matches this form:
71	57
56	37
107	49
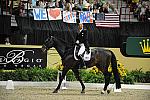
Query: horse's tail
115	70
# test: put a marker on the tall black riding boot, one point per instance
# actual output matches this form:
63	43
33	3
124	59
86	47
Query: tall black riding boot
84	66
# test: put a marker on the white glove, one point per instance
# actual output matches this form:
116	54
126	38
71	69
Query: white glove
77	41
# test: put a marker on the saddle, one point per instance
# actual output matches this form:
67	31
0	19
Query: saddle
86	56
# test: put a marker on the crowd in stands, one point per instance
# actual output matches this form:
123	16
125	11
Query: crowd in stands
95	6
140	9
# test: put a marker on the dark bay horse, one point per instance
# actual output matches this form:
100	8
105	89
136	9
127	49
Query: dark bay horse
101	58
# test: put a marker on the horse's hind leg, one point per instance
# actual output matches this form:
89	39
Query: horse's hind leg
107	76
76	73
64	72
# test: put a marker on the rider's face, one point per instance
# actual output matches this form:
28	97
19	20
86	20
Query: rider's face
80	26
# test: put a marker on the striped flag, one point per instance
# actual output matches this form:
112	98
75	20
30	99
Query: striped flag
107	20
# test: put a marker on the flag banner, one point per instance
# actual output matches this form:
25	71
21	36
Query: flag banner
107	20
69	17
86	17
39	14
54	14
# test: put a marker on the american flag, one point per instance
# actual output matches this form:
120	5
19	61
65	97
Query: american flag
107	20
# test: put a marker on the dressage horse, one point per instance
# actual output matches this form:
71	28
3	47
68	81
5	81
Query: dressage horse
101	58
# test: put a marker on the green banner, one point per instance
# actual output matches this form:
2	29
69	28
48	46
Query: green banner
138	46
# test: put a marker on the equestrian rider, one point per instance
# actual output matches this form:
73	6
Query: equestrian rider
82	41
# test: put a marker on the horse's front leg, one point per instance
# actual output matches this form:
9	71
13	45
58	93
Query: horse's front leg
107	76
64	72
76	73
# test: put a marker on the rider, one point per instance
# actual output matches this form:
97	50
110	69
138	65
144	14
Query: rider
82	41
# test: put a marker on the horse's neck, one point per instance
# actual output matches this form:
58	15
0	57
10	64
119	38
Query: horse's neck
60	47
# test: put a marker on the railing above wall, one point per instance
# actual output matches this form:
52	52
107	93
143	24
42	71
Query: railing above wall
126	15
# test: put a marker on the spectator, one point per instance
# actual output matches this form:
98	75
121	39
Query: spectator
96	6
108	7
86	6
42	4
57	3
80	5
21	9
37	4
147	13
7	41
142	13
68	6
61	4
51	4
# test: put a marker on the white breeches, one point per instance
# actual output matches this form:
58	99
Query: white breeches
82	49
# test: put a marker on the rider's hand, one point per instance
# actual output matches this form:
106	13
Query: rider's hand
88	51
77	42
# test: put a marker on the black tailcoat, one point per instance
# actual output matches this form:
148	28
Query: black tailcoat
83	38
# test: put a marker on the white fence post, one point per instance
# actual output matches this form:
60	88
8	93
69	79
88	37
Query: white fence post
10	85
63	86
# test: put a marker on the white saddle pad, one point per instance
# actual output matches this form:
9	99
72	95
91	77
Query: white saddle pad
86	56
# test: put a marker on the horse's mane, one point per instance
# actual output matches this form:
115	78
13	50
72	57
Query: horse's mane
67	44
67	47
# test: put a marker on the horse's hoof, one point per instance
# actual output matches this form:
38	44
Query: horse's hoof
108	91
83	92
117	90
55	91
102	92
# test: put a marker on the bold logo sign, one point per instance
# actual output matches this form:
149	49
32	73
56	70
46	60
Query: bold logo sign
69	17
145	46
43	14
138	46
86	17
12	58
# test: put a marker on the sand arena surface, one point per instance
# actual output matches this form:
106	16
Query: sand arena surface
45	93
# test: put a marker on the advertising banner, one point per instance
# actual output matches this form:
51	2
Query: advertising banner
13	58
138	46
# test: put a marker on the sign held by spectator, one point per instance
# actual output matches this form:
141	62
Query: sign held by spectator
41	14
69	17
54	14
86	17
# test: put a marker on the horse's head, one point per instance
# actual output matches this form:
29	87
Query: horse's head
59	44
49	43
